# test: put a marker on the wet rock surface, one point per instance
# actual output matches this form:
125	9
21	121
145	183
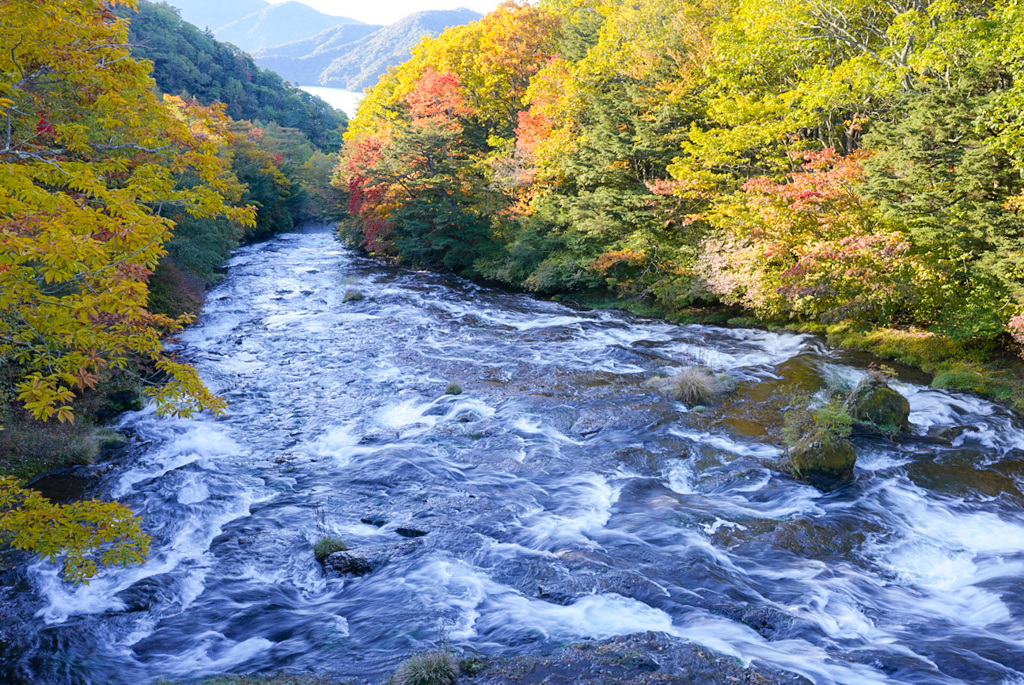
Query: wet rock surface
363	560
875	403
643	659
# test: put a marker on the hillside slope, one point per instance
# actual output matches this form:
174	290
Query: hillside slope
350	57
212	15
188	61
277	24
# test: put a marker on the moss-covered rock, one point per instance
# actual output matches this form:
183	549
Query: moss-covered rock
823	459
875	403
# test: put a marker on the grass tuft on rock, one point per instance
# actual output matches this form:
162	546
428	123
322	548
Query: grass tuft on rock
328	545
693	385
352	295
453	389
438	667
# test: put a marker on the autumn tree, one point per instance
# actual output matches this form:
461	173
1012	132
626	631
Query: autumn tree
418	164
598	130
89	154
82	536
849	162
89	159
810	248
427	177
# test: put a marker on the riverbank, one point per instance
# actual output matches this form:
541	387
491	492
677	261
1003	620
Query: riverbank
992	372
30	448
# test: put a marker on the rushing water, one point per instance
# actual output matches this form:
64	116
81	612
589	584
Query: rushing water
561	498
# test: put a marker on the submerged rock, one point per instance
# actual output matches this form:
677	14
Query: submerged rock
361	561
824	460
875	403
640	659
610	417
348	564
947	435
375	520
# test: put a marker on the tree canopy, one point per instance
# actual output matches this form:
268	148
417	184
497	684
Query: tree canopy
850	162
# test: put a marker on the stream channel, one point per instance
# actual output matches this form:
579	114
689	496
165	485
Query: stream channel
556	499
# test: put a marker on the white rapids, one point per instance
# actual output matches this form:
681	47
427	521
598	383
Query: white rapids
557	498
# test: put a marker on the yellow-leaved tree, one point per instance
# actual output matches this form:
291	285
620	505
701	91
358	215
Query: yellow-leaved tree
89	155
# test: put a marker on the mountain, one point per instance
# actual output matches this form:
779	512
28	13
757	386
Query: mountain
190	62
310	48
277	24
212	14
354	56
334	37
304	61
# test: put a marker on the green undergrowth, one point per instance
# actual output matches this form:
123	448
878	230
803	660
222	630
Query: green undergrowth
436	667
654	310
328	545
609	301
984	370
29	447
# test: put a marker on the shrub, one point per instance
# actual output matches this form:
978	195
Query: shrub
438	667
830	420
834	419
328	545
352	295
881	373
453	389
693	385
1016	328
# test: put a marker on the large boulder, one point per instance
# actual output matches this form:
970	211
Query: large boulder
875	403
824	460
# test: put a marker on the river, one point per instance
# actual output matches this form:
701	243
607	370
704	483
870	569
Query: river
557	498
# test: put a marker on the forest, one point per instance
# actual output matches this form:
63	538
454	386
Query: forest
852	167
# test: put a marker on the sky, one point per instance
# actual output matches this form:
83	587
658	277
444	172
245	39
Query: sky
388	11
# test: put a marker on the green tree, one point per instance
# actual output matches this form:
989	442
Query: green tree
188	61
937	176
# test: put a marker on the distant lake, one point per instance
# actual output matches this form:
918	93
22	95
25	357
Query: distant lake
345	100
